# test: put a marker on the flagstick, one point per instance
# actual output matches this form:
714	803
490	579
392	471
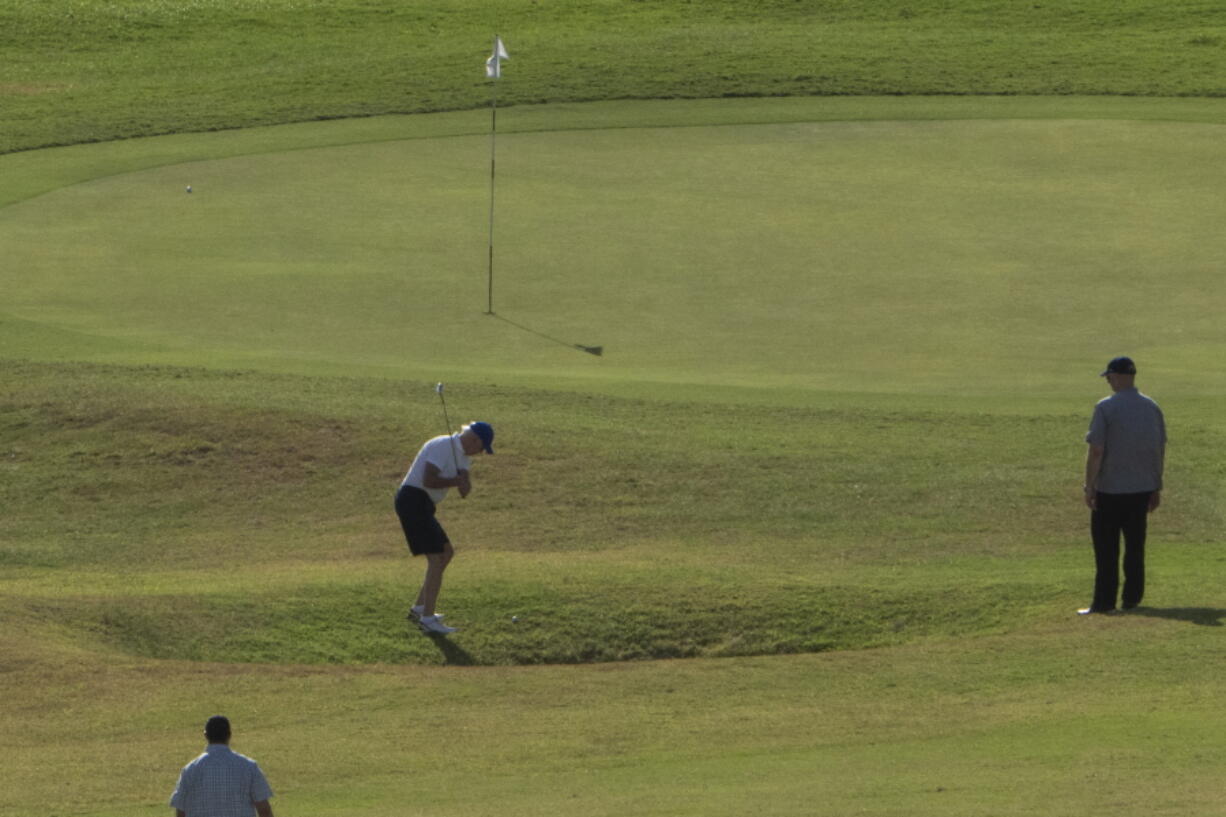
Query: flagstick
493	150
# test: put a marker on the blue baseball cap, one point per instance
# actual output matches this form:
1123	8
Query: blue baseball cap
485	432
1120	365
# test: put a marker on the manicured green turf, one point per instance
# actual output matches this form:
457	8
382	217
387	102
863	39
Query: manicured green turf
95	70
865	256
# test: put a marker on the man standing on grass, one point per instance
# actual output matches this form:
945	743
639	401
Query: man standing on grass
441	464
221	782
1124	464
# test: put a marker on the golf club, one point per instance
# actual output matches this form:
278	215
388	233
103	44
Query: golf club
455	460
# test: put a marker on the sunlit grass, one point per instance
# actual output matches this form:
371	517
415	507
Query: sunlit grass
830	457
97	70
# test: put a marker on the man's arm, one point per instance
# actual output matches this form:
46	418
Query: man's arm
1094	464
263	809
435	479
179	797
1156	497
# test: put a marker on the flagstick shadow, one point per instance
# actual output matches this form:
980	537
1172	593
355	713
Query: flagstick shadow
591	350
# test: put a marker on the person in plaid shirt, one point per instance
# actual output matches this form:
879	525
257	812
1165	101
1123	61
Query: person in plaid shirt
221	782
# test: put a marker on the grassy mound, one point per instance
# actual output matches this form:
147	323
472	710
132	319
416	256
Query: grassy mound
137	492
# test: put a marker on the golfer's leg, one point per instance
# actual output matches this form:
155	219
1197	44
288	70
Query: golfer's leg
421	594
436	563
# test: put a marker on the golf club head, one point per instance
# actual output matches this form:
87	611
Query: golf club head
591	350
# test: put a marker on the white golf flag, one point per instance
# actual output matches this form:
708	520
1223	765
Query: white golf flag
493	66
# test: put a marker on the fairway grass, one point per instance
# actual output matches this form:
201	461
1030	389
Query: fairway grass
1061	719
830	457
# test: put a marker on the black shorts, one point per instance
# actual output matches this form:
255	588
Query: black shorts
421	530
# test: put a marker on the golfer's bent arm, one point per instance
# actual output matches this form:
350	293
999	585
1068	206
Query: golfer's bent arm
434	479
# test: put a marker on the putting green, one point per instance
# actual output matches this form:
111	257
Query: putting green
908	254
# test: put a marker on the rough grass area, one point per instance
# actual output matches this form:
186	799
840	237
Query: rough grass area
555	620
99	70
739	538
210	516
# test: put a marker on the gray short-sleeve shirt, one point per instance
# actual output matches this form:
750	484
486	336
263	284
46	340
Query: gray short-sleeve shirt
1130	428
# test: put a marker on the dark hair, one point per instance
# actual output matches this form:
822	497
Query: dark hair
217	729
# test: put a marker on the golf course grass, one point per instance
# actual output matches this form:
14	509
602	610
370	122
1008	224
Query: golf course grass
720	253
97	70
806	538
831	451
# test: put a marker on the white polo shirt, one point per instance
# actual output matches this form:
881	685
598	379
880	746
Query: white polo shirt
447	455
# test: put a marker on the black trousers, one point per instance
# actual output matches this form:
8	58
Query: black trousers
1117	514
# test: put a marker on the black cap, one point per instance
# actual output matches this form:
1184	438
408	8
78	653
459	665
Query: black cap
1120	365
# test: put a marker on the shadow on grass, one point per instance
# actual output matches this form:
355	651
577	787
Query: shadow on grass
453	654
591	350
1204	616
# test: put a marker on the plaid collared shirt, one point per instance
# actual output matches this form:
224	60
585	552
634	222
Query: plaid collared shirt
220	783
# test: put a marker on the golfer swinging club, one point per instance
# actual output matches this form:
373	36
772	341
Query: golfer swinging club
441	464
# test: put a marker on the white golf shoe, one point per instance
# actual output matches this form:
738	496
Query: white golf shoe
417	611
432	624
